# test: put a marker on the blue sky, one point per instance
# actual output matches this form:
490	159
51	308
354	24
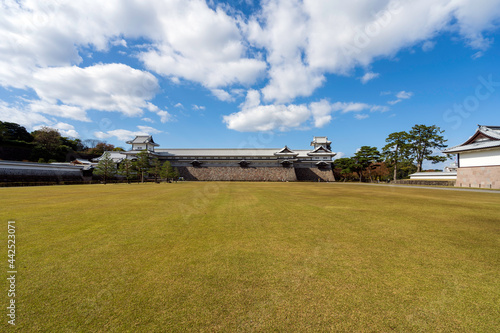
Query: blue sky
250	74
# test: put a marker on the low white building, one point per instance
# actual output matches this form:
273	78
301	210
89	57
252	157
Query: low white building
451	175
478	159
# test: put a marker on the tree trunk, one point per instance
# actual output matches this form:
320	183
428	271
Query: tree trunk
419	166
395	171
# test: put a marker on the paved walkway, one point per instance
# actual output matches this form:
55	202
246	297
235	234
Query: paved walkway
426	187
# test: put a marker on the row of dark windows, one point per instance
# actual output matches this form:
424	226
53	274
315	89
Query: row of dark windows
225	158
237	158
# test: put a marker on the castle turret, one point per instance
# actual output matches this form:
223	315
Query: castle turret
321	141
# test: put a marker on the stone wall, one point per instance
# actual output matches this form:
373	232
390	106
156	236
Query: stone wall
483	177
425	182
223	173
313	174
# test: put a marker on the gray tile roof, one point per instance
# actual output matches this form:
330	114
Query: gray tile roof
320	140
223	152
321	151
116	156
473	146
143	139
491	131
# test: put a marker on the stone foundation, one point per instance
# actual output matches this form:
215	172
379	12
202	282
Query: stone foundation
273	174
425	182
237	173
315	174
483	177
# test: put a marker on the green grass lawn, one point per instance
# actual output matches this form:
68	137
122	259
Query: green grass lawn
285	257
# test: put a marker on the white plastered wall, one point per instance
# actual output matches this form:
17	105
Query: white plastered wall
490	157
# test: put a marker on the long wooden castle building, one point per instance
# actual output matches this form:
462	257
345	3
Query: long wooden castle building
267	164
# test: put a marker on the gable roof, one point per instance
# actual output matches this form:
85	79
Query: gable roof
286	151
320	140
321	151
116	156
485	137
143	139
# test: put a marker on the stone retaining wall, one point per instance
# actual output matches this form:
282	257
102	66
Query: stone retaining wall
483	177
313	174
426	182
225	173
238	173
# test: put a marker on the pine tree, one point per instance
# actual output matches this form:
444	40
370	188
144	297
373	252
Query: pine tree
397	150
126	169
365	158
142	164
166	170
106	167
155	168
423	141
177	174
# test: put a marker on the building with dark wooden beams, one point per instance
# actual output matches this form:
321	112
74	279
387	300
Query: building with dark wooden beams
259	164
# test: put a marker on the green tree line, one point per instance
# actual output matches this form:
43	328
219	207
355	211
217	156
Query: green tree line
142	167
403	154
46	145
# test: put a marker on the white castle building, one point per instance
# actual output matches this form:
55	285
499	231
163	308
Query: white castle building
259	164
478	159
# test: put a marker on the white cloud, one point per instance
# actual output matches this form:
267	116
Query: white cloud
335	36
198	107
125	135
404	94
255	117
428	45
164	116
288	81
321	112
350	107
200	44
222	95
67	130
59	110
119	42
22	117
103	87
394	102
295	42
380	108
339	155
178	105
151	107
361	116
148	120
148	130
33	121
477	55
400	97
368	77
